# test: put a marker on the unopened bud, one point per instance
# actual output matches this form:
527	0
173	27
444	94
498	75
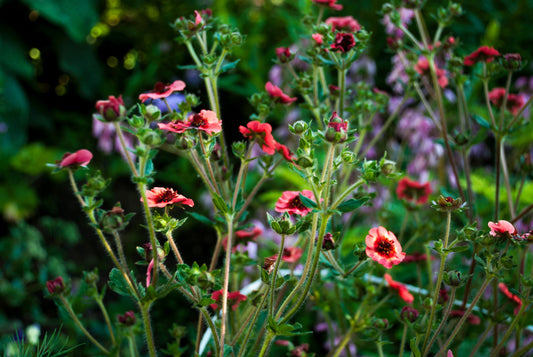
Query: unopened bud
328	243
409	314
56	286
128	319
298	127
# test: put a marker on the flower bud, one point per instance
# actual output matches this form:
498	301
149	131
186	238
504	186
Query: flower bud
304	161
136	121
205	280
111	110
336	130
114	220
328	243
454	278
151	138
511	61
94	185
239	148
152	113
128	319
388	167
381	324
284	54
298	127
449	204
282	224
236	39
409	314
360	251
455	9
56	286
184	142
348	156
387	8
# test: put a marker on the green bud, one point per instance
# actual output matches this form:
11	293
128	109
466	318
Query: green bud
209	60
236	39
152	113
455	9
348	156
388	167
192	100
454	278
151	138
298	127
91	277
282	225
239	148
304	161
185	142
136	121
387	8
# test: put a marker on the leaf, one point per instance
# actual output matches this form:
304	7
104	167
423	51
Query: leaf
414	347
352	204
228	66
307	202
220	204
481	121
117	283
206	301
201	218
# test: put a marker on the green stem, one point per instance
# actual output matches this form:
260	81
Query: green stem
442	321
145	312
133	346
340	347
213	331
227	265
481	339
125	149
80	325
252	324
174	247
151	232
100	304
266	344
274	277
208	164
404	337
507	184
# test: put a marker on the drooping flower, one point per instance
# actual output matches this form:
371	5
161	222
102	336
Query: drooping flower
56	286
402	289
505	290
112	109
343	24
261	133
514	101
162	90
206	121
277	94
383	247
501	228
413	191
482	54
234	299
422	68
344	42
332	4
79	158
290	202
242	237
161	197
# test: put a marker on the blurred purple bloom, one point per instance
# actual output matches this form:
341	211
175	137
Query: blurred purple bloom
108	139
173	101
406	15
397	78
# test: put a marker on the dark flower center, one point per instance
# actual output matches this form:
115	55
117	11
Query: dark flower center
296	202
198	121
166	196
159	87
385	247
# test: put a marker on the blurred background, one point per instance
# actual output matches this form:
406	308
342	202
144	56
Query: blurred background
58	57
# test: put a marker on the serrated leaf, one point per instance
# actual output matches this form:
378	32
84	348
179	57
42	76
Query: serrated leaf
352	204
117	283
206	301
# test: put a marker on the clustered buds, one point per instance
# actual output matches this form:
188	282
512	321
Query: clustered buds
337	129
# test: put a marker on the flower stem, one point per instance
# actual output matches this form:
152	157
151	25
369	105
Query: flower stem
145	312
404	337
274	277
250	329
442	321
174	247
227	264
100	304
125	149
151	231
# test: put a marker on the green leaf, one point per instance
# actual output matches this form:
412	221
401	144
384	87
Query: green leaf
481	121
307	202
220	204
206	301
117	283
414	347
228	66
201	218
352	204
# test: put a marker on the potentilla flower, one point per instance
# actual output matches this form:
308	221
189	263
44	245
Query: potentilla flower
112	109
56	286
383	247
206	121
337	129
161	197
319	39
502	228
79	158
284	54
413	191
422	68
514	101
284	150
343	24
242	237
290	202
402	289
234	299
505	290
292	254
162	90
482	54
343	42
332	4
277	94
261	133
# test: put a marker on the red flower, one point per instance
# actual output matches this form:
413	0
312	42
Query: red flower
161	197
283	150
56	286
162	91
206	120
422	68
504	289
79	158
471	319
514	101
277	94
234	299
319	39
284	54
243	237
413	191
112	109
261	133
383	247
345	24
290	202
501	228
332	4
292	254
343	42
482	54
402	289
337	129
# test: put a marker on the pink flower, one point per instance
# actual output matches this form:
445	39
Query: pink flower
243	237
290	202
234	299
402	289
162	91
343	24
283	150
332	4
292	254
284	54
505	290
277	94
344	42
319	39
79	158
112	109
514	101
413	191
482	54
422	68
161	197
501	228
261	133
383	247
56	286
206	121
